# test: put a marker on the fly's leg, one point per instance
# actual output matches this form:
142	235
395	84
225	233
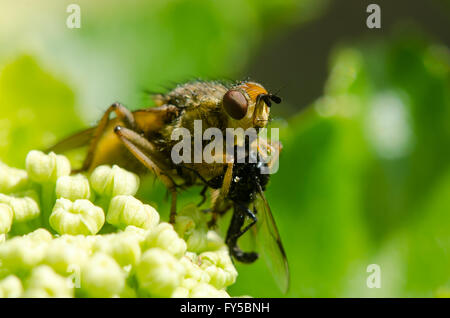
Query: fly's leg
235	232
219	199
215	214
218	195
124	116
203	194
143	150
224	189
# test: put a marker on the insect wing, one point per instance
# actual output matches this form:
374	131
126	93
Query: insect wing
270	245
75	141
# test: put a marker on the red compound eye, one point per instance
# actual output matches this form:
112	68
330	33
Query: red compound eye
235	104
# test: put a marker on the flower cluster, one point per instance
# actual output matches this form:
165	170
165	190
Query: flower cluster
64	235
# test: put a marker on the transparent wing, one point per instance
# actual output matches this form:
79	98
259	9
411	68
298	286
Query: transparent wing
269	243
77	140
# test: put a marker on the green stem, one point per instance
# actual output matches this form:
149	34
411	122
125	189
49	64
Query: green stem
103	202
48	198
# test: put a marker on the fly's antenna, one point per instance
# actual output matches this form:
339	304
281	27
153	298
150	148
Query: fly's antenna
269	98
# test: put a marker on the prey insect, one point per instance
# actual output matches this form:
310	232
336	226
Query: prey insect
246	198
141	141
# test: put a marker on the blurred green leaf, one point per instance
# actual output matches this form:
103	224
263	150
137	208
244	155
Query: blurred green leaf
35	108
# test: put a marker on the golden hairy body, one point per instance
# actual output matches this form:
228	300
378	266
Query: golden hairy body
141	140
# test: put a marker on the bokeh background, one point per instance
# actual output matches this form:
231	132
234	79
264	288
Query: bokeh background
364	175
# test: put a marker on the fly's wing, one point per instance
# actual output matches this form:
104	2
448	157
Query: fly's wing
77	140
148	120
270	245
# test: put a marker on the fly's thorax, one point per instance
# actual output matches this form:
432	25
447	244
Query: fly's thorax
196	94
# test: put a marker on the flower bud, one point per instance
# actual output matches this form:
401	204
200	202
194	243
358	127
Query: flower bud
24	209
43	168
184	224
193	273
159	273
73	187
203	290
197	241
107	181
79	217
11	287
215	241
81	241
44	282
180	292
125	249
40	235
12	179
199	217
219	267
165	237
20	254
126	210
136	232
101	276
191	225
6	218
63	257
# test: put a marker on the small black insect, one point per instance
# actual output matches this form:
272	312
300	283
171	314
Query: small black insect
246	197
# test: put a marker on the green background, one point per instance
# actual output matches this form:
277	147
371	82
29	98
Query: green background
364	174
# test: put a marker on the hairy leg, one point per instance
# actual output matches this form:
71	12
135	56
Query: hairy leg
124	116
142	149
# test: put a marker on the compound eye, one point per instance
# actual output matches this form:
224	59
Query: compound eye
235	104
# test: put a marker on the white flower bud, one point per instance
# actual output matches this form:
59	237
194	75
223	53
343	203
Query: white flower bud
43	168
79	217
126	210
40	235
81	241
11	287
44	282
193	270
63	257
191	225
107	181
193	273
6	218
215	241
124	248
12	179
165	237
73	187
101	276
21	253
24	209
159	273
203	290
197	241
136	232
180	292
219	267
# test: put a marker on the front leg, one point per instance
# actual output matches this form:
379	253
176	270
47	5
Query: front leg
224	189
235	231
142	149
123	114
219	204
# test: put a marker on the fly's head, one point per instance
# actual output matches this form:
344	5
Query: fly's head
248	105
